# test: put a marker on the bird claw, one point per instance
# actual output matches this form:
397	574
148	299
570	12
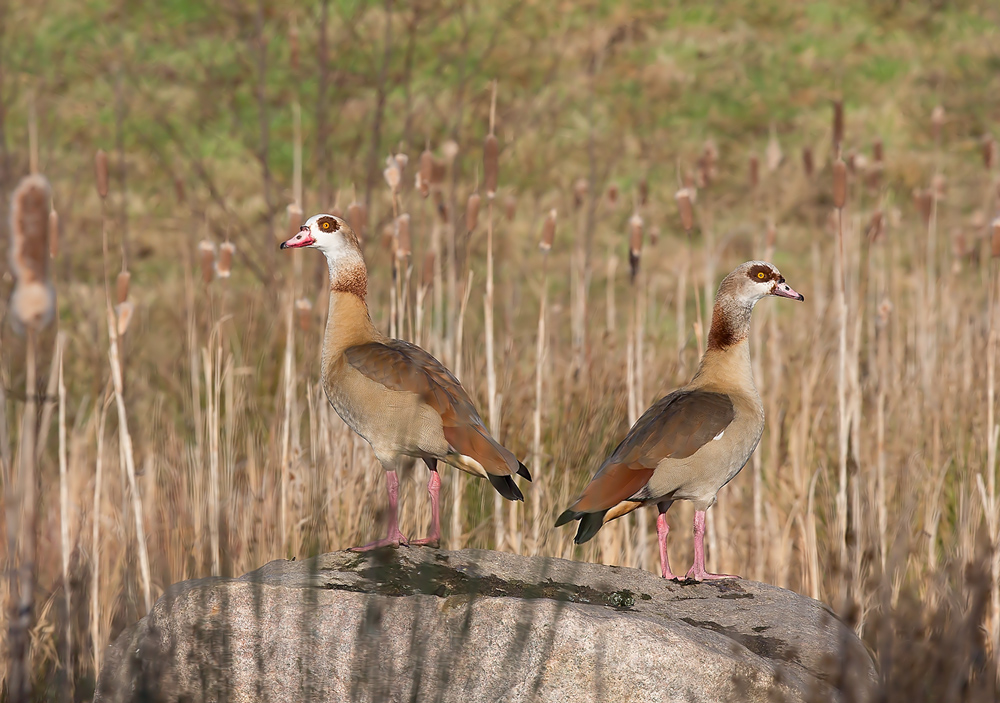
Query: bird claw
702	575
431	541
393	540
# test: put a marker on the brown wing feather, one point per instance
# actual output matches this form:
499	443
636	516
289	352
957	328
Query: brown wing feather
402	366
676	426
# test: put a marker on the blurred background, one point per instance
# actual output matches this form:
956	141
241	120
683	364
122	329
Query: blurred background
649	147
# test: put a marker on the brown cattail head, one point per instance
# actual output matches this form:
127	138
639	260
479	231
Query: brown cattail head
491	165
876	227
548	231
510	207
227	250
849	160
838	125
179	193
439	169
440	206
613	194
124	312
294	213
303	311
754	171
450	150
121	286
634	244
995	238
404	246
937	121
958	248
643	192
427	275
53	233
357	218
771	235
33	300
580	189
392	173
923	199
654	235
989	152
101	172
839	184
472	212
685	208
293	45
939	186
808	165
425	172
402	160
878	151
206	255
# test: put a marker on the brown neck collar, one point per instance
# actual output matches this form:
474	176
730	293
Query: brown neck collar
730	324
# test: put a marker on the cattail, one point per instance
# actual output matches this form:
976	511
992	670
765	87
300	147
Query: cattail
771	235
710	155
937	121
548	231
293	46
634	243
683	198
938	186
958	251
643	192
427	275
876	226
179	193
838	125
580	189
294	213
440	206
303	312
849	160
613	194
438	171
101	169
472	212
878	151
403	244
989	152
923	199
654	235
995	239
425	172
807	161
491	165
773	153
206	254
839	184
402	160
121	286
357	218
336	211
450	151
754	171
510	207
53	233
392	173
225	266
124	312
33	299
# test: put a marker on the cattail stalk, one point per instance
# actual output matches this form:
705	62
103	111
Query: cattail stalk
839	201
96	642
548	237
286	428
64	513
457	537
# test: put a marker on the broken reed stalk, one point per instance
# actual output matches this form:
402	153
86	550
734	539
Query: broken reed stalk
840	293
545	245
456	516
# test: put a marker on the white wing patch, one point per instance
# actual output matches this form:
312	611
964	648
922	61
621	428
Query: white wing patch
718	436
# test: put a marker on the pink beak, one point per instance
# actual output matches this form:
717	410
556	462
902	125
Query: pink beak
302	239
783	290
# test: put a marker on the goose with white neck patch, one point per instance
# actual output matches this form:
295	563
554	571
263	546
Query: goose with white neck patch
692	442
394	394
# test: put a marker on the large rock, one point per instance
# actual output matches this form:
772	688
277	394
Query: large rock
425	625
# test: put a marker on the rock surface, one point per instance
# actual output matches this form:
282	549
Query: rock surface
426	625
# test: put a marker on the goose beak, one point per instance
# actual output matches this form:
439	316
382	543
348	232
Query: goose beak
783	290
302	238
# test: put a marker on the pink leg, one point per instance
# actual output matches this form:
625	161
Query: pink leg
697	571
395	537
662	529
434	488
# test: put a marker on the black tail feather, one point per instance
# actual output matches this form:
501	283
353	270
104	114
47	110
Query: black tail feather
590	523
523	471
506	487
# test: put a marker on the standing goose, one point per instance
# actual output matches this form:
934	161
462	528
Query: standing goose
692	442
393	393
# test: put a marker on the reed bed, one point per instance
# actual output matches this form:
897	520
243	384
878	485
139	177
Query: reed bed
194	437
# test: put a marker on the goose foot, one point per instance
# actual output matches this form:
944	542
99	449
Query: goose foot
394	539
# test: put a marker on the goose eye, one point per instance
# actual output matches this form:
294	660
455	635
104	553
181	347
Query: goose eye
760	275
326	226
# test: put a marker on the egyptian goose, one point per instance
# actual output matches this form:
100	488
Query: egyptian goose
393	393
692	442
